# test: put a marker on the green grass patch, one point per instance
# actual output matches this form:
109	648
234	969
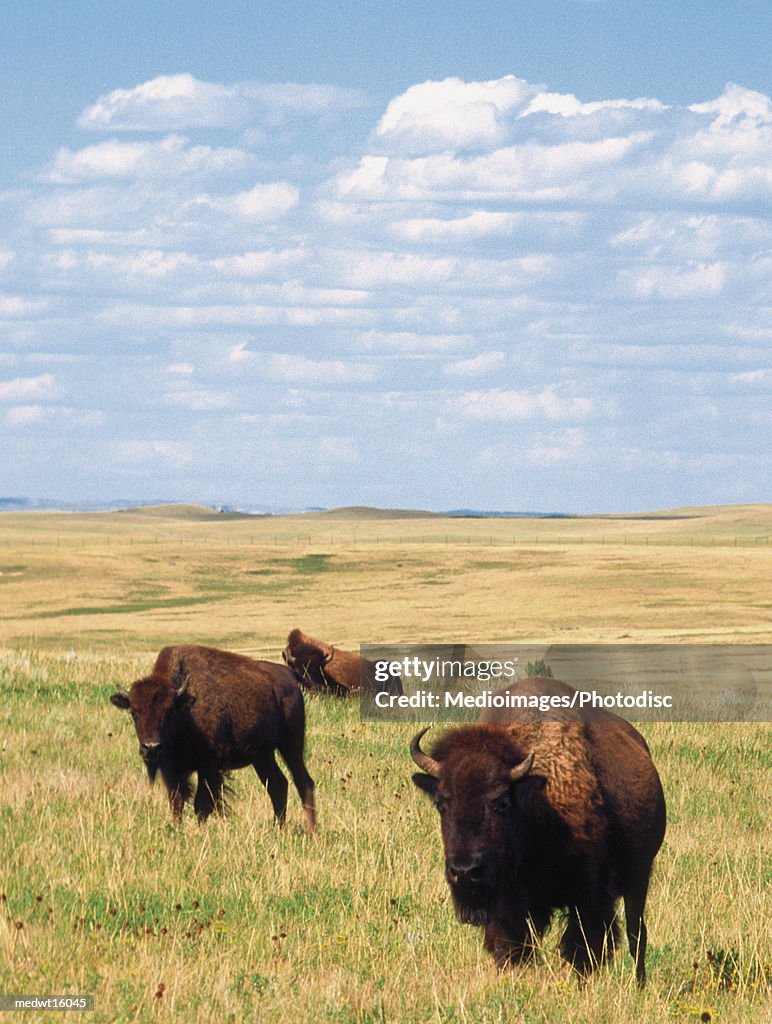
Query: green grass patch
128	608
311	563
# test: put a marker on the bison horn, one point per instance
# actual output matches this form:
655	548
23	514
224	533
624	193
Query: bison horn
428	764
522	769
328	657
181	678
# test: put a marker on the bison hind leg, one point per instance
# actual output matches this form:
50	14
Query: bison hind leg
637	936
274	781
292	752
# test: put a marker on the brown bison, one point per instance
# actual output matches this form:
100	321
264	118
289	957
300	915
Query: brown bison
319	666
208	711
539	816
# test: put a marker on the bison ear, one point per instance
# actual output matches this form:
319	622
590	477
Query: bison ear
120	699
426	782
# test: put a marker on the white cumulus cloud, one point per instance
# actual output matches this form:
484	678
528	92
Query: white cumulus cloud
298	369
485	260
737	102
477	366
171	157
26	388
54	416
142	452
567	105
506	140
479	224
200	400
680	283
179	102
509	406
25	415
452	115
12	306
264	201
164	103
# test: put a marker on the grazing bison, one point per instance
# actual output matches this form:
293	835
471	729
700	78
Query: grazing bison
320	666
208	711
539	816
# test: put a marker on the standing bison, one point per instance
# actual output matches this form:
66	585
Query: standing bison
319	666
539	816
208	711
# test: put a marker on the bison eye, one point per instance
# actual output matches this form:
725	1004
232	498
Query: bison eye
441	805
502	804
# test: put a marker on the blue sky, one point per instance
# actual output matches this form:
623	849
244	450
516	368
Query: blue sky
511	256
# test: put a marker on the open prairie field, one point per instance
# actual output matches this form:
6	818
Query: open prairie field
240	921
133	581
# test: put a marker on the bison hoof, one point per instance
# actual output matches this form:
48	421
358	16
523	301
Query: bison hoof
512	955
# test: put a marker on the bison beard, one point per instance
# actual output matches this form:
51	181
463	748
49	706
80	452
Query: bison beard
471	907
574	834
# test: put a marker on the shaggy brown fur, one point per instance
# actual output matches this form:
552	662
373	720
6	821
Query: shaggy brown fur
577	831
208	711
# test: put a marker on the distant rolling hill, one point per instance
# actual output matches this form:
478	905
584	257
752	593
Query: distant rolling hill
199	513
728	514
368	512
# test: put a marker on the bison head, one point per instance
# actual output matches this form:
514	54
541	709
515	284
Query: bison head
154	704
308	659
479	785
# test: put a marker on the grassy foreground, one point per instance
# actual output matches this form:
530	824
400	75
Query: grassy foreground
240	921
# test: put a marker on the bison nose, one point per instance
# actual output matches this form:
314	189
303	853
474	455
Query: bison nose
468	873
150	750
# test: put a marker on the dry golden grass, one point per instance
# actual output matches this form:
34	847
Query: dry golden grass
113	581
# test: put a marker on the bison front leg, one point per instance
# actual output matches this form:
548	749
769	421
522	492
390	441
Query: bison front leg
208	793
178	791
506	949
514	943
589	937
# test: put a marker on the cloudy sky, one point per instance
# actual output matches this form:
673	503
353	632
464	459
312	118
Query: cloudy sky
513	256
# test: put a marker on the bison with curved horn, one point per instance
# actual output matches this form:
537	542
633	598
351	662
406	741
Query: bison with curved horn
325	668
208	711
538	817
